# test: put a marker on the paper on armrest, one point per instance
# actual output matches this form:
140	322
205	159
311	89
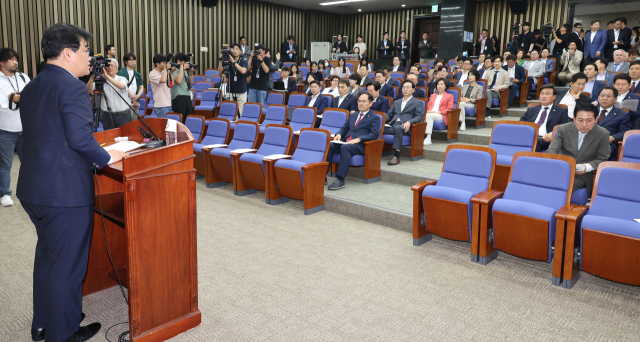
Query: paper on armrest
387	125
338	141
319	116
123	146
296	132
215	145
276	156
631	105
244	150
637	220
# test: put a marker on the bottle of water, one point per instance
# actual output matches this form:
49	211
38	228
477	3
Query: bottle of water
465	54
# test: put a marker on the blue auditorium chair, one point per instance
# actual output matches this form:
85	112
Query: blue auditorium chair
479	112
199	87
217	133
303	117
207	104
296	100
453	117
250	112
603	239
195	124
415	140
333	119
444	207
397	75
219	169
250	171
273	97
210	73
302	175
629	150
228	110
524	216
277	115
174	116
198	78
215	79
143	106
507	138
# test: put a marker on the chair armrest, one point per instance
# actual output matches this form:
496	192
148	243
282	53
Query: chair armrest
487	197
241	153
576	213
481	103
315	165
562	213
552	77
420	186
504	92
373	142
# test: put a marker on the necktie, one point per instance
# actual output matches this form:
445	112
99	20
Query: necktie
602	114
356	125
290	48
580	140
543	116
633	86
495	77
615	67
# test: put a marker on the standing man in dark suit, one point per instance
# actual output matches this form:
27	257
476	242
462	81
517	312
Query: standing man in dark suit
576	37
616	39
55	184
614	120
403	46
586	142
546	116
594	42
380	103
345	100
485	44
362	126
385	47
402	115
289	50
517	76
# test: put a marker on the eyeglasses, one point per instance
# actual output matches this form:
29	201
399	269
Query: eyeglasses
605	96
363	101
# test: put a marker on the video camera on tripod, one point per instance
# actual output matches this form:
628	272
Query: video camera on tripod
99	63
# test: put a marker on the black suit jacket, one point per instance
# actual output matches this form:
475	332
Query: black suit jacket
386	90
573	37
616	122
59	150
285	55
488	47
291	85
520	74
624	36
381	104
349	103
368	128
556	116
382	52
406	50
342	45
322	102
400	68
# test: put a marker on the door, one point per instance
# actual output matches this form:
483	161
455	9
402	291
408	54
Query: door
430	25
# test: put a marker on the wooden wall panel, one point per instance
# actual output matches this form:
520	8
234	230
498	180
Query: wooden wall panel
372	25
147	27
496	17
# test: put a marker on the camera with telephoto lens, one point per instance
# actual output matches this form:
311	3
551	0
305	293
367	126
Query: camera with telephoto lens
170	56
547	30
98	63
174	65
256	52
226	59
515	27
189	54
195	66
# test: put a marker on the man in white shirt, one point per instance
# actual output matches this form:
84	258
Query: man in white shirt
12	82
364	75
115	109
622	83
244	48
396	65
460	77
618	64
401	116
546	116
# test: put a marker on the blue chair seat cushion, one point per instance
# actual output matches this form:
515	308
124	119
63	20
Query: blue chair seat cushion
495	101
291	164
525	209
504	160
223	152
580	196
439	125
470	111
253	158
612	225
388	139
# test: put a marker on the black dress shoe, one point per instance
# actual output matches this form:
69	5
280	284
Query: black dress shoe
84	333
325	181
38	334
337	185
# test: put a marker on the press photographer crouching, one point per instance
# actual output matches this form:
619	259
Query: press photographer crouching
234	66
181	101
115	110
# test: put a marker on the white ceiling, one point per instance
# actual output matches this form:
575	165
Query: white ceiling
601	8
352	7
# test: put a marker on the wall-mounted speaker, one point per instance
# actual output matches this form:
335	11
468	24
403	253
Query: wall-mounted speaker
209	3
519	6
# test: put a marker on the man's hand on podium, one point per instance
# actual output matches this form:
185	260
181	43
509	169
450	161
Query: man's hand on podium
116	156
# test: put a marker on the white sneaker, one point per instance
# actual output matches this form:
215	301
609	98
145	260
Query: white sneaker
427	140
6	201
463	127
488	117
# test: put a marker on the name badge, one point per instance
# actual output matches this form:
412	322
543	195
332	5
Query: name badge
235	78
258	74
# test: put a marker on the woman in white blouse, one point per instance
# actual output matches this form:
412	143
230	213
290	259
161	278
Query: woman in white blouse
341	70
333	89
360	45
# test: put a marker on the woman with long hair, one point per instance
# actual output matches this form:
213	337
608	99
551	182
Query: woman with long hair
341	70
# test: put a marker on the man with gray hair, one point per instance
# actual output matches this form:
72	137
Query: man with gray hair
619	64
115	109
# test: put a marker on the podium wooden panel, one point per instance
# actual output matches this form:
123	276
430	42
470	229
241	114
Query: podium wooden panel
149	205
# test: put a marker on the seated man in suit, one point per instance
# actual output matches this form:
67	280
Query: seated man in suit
362	126
380	103
618	64
535	67
461	76
289	82
317	100
416	69
549	64
345	100
603	74
614	120
381	77
441	73
418	93
574	97
634	73
364	75
517	76
481	58
401	116
622	83
591	150
354	82
497	79
486	66
593	86
390	81
546	116
397	66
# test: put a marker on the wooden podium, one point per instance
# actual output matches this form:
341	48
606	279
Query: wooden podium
149	204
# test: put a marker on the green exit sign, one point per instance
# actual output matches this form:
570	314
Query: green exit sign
434	8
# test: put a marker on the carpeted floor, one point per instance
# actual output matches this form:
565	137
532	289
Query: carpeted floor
268	273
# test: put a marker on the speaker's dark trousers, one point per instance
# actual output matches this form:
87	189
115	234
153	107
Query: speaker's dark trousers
62	253
346	152
513	89
398	132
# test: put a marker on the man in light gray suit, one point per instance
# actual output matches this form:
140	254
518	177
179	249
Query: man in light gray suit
618	64
585	141
401	116
535	67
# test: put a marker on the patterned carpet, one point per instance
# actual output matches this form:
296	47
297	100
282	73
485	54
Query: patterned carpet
271	274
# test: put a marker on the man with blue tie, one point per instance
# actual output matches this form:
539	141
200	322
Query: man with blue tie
618	64
289	50
380	103
345	100
546	116
614	120
594	42
517	76
385	47
55	184
316	100
362	126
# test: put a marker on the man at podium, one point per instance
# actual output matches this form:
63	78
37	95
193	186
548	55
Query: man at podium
55	184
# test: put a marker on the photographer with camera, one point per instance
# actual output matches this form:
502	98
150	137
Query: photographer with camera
235	66
181	90
134	80
115	111
561	36
159	78
259	65
528	39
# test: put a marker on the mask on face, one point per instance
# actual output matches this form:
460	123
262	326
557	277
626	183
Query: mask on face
326	64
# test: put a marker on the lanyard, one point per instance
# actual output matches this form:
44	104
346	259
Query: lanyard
17	84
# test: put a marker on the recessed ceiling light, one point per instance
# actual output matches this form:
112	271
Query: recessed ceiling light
359	10
403	5
339	2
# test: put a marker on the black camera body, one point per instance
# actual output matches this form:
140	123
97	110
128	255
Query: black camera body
547	30
174	65
98	63
226	59
515	27
170	56
195	66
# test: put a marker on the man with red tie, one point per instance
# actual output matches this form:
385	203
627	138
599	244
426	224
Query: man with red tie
362	126
547	116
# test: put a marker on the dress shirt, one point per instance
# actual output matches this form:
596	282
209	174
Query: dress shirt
616	33
580	140
385	44
333	92
482	45
290	54
622	96
570	101
512	72
593	35
354	90
608	110
578	34
402	51
616	66
542	130
436	105
362	82
404	103
588	87
395	68
463	78
313	100
635	84
601	77
341	99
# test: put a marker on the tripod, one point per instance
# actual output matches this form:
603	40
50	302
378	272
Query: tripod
97	99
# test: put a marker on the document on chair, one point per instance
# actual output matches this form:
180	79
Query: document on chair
244	150
319	116
637	220
338	142
215	146
387	125
276	156
631	105
123	146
